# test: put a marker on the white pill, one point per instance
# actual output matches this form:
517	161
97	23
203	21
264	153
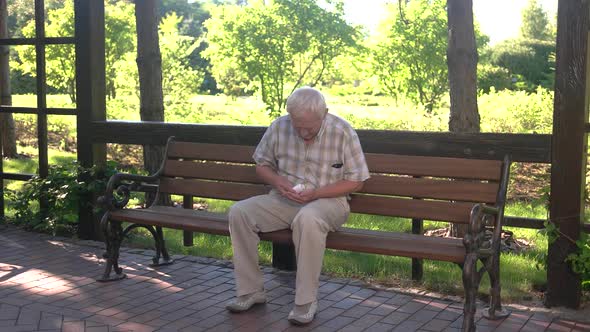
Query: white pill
299	188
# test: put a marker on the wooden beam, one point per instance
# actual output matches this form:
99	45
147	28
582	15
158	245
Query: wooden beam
568	165
90	96
522	147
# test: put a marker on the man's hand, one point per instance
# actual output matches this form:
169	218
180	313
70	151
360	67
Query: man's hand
283	186
303	197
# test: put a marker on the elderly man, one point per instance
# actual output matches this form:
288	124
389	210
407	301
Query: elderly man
313	160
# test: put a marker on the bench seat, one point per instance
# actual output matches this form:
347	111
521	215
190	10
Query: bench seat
350	239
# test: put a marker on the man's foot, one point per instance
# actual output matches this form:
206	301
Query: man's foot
245	302
303	314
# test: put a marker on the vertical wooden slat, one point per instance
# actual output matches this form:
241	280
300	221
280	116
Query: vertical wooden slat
6	97
2	215
41	97
41	87
417	264
90	97
187	236
283	256
568	148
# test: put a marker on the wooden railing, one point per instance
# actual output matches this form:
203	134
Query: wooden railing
521	147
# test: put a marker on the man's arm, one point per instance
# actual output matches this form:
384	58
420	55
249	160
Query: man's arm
337	189
270	176
285	187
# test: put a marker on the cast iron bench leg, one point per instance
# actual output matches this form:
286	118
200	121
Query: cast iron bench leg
113	233
495	310
161	249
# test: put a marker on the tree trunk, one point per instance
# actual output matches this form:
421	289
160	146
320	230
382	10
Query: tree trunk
149	65
462	63
6	120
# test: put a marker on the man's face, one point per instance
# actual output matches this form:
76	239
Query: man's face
307	125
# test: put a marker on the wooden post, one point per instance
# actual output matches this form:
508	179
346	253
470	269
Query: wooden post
569	147
187	236
417	263
283	256
2	214
41	88
90	96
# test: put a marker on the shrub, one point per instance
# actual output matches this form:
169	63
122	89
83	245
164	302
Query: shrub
489	76
516	111
532	60
61	131
63	192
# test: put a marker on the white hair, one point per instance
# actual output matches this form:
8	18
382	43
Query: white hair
306	99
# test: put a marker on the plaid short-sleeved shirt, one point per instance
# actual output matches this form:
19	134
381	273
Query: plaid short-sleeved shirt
334	155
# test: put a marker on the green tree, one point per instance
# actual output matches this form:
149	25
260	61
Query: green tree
119	39
20	12
530	62
535	22
278	44
193	15
179	79
410	55
119	29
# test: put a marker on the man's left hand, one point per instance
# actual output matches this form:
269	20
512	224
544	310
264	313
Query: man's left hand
305	196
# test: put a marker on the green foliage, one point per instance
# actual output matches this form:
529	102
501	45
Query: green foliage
510	111
489	76
63	192
532	62
119	32
192	12
535	23
179	80
120	40
410	56
60	62
21	83
579	260
279	45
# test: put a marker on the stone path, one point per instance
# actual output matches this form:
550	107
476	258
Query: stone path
48	284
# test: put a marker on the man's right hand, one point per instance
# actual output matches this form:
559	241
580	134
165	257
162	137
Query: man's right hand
280	183
284	186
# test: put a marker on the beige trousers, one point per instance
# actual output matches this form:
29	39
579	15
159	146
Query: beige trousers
310	224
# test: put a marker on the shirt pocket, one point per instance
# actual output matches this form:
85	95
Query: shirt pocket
332	171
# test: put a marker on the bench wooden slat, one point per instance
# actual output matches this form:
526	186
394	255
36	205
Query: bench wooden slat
460	190
456	212
378	163
186	219
435	166
212	189
386	243
211	171
204	151
380	205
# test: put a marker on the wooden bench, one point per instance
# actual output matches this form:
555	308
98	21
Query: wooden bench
456	190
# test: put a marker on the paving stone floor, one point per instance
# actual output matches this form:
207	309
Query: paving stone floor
48	284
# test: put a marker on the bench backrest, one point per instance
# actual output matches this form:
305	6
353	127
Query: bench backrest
430	188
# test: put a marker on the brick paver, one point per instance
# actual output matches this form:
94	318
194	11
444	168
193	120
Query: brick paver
48	284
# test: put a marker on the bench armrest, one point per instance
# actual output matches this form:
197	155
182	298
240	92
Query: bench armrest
124	184
484	230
